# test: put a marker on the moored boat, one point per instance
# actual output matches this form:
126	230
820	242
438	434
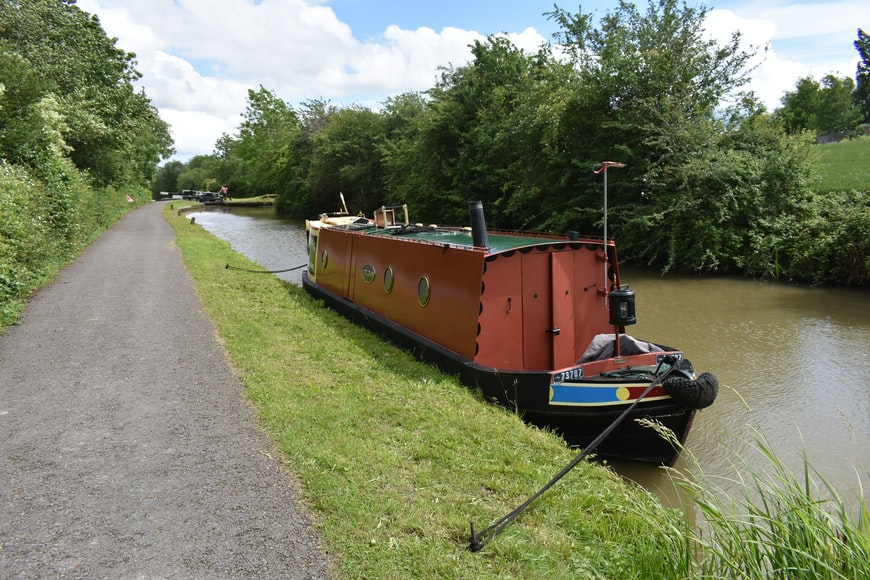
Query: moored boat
537	322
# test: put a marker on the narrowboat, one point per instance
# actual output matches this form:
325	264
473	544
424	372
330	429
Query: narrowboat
536	322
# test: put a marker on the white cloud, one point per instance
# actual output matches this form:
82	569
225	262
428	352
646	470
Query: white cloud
195	133
199	57
793	41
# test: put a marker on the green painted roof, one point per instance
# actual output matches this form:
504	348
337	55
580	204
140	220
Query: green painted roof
497	242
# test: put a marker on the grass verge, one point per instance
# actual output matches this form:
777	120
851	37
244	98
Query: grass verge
395	457
844	166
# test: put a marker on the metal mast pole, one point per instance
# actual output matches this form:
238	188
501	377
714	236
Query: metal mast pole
598	168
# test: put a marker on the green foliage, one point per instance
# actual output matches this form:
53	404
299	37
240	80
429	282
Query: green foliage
62	54
197	172
827	241
826	108
45	221
712	182
862	75
346	157
167	178
269	126
69	119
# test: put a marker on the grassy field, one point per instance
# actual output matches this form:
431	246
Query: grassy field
844	166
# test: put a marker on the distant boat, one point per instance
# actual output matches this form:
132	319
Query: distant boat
531	320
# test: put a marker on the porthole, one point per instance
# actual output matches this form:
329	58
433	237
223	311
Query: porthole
368	273
323	259
388	279
423	290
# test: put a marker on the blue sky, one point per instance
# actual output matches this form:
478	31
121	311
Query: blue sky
200	57
369	18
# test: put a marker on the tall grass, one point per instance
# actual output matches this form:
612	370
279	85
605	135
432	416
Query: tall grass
785	525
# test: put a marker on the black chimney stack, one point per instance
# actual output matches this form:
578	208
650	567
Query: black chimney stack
478	225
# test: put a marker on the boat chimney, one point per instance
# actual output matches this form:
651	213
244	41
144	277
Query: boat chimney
478	225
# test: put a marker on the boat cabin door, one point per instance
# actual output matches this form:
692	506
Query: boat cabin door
548	310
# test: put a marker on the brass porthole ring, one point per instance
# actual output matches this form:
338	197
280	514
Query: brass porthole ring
423	290
388	279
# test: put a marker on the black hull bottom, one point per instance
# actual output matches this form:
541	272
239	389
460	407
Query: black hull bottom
527	393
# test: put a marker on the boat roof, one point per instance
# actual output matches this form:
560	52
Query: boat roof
458	237
461	237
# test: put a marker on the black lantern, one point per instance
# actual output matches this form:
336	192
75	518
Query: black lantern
622	311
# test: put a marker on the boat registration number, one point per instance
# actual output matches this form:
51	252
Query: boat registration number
569	375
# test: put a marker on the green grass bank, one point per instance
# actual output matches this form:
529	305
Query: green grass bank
395	457
844	166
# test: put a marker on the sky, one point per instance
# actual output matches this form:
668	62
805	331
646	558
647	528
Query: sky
199	58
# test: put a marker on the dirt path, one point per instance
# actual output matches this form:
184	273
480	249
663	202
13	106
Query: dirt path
126	447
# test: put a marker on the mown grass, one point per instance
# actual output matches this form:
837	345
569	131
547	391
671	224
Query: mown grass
844	166
396	458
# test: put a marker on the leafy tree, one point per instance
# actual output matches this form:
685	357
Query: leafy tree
826	107
294	171
838	113
200	169
698	175
401	153
346	158
113	131
485	135
862	76
167	178
268	127
31	125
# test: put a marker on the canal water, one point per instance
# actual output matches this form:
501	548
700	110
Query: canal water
793	362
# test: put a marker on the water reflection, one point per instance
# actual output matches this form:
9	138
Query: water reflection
793	362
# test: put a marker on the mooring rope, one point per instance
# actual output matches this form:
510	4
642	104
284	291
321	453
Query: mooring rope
479	541
265	271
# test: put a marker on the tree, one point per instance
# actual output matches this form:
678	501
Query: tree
485	135
825	108
199	170
113	131
268	128
862	76
801	106
167	178
703	162
31	126
346	158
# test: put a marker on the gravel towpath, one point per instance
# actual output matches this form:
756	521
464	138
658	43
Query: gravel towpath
127	449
